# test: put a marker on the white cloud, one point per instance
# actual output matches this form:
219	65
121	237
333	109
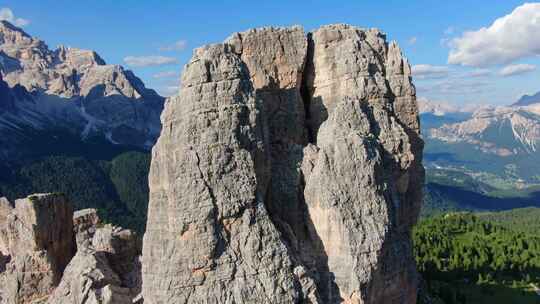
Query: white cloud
438	108
449	31
7	15
516	69
166	74
509	38
177	46
169	90
146	61
427	71
457	86
412	40
445	42
479	73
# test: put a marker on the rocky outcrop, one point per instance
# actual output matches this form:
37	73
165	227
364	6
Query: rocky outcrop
85	223
288	170
106	268
90	279
72	90
47	255
36	235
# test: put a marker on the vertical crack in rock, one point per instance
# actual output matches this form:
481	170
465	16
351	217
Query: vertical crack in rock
306	84
312	168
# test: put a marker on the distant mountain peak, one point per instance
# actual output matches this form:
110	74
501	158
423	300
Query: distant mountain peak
503	131
526	100
68	53
6	26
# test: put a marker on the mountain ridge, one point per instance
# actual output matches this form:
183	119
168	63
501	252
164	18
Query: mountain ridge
526	100
71	89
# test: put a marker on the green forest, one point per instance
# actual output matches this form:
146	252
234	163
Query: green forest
479	258
116	186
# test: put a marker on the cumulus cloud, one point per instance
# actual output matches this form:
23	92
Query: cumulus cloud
166	74
7	15
177	46
412	40
146	61
509	38
427	71
516	69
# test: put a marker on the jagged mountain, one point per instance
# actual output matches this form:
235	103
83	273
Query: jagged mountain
503	131
71	90
526	100
435	108
497	145
435	114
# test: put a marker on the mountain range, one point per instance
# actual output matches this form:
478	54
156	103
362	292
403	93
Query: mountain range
71	123
64	109
68	92
486	159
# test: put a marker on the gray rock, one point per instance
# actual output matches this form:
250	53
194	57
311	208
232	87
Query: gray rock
85	223
106	268
123	249
288	170
363	183
89	279
37	241
209	237
37	236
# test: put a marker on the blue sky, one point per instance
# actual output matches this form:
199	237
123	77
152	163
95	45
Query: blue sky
171	29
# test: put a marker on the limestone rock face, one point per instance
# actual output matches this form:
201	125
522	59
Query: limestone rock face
288	170
106	268
37	237
38	263
89	279
363	186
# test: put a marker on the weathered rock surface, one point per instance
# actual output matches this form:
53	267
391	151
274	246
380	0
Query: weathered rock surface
38	262
90	279
37	237
85	223
288	170
106	268
69	89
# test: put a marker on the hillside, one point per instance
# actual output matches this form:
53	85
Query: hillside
465	258
455	190
116	184
526	220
